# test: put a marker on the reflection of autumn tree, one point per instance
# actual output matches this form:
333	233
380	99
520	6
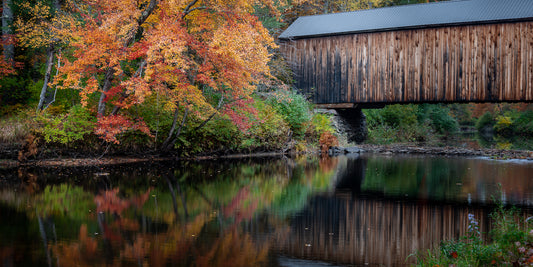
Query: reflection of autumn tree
84	252
148	228
241	207
109	201
328	164
234	249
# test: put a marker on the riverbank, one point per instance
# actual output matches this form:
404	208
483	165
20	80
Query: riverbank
498	154
501	154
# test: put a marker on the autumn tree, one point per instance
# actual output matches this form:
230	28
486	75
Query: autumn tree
42	29
316	7
124	51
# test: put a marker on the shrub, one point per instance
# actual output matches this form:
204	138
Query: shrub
440	118
217	134
485	121
270	131
524	124
399	115
157	117
397	123
326	141
503	125
14	90
322	123
66	128
294	109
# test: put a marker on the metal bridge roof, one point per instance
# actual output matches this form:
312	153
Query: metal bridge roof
458	12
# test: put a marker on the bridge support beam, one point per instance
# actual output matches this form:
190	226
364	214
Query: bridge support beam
355	120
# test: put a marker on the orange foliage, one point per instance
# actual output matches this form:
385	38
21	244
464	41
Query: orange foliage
127	51
326	141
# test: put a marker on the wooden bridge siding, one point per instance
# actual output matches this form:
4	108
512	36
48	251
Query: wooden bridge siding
479	63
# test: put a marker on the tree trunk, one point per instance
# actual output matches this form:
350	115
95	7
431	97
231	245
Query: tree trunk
7	21
172	128
44	98
110	71
171	140
47	97
57	5
107	85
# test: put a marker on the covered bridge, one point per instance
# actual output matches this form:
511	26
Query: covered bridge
453	51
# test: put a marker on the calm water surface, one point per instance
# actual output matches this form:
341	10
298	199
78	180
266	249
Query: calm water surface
361	210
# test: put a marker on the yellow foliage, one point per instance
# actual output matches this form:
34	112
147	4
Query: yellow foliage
177	51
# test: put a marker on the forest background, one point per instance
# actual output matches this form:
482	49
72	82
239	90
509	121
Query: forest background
185	77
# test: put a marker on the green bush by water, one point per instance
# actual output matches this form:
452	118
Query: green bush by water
409	123
66	128
294	108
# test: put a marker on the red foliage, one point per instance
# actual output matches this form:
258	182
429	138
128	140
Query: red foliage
109	201
454	254
108	127
239	113
7	68
326	141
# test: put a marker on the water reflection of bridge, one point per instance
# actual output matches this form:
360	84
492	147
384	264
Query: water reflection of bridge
348	227
351	230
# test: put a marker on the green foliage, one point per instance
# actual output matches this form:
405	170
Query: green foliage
511	244
382	134
399	115
462	113
66	128
485	121
400	123
503	125
157	117
294	109
219	134
524	124
438	117
270	130
322	123
14	90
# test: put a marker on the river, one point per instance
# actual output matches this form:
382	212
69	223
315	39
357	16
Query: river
305	211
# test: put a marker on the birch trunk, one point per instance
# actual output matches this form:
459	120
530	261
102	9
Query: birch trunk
7	21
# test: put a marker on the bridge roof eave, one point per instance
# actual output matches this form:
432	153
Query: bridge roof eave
429	15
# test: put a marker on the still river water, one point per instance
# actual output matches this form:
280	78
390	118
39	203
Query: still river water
307	211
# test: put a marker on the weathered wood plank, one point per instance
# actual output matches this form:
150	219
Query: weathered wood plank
480	63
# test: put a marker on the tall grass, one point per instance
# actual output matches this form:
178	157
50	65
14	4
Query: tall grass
13	130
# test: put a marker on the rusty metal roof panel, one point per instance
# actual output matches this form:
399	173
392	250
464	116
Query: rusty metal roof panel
458	12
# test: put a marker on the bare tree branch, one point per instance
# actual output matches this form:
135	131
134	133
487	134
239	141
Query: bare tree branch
188	9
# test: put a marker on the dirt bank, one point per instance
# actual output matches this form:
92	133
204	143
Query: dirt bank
383	149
